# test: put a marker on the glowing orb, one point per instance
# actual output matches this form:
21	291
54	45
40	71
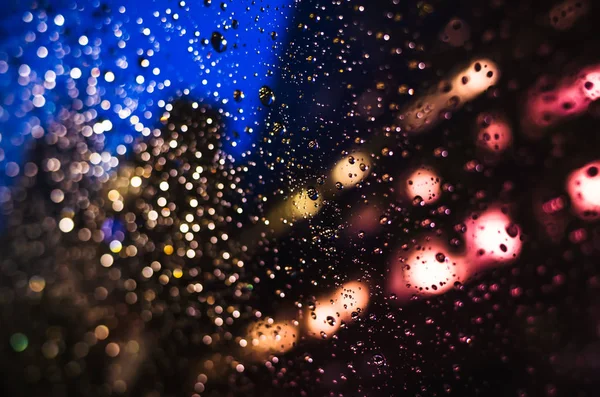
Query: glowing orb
351	297
495	135
424	183
583	187
269	336
352	169
492	237
324	320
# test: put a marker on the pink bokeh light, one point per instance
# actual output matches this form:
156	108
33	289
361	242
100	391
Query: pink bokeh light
428	268
494	134
549	103
583	187
492	238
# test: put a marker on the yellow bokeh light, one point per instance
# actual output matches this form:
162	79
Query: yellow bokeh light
352	169
136	181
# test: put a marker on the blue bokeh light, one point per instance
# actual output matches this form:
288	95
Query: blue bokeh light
139	56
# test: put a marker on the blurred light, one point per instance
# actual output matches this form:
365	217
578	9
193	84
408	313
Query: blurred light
494	133
66	225
423	185
352	297
583	187
136	181
450	95
429	268
324	320
571	97
564	15
305	203
352	169
456	33
340	306
269	336
475	79
492	238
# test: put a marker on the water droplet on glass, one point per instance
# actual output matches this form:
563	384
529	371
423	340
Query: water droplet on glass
418	200
278	129
312	193
238	95
218	42
378	360
512	230
266	95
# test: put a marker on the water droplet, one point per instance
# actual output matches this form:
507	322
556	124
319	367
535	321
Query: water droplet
238	95
312	193
378	360
418	200
218	42
512	230
278	129
266	95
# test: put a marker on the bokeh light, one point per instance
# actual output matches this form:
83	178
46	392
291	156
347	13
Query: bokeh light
429	268
583	187
423	186
492	237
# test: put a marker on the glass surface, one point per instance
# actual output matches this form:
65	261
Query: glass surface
299	198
